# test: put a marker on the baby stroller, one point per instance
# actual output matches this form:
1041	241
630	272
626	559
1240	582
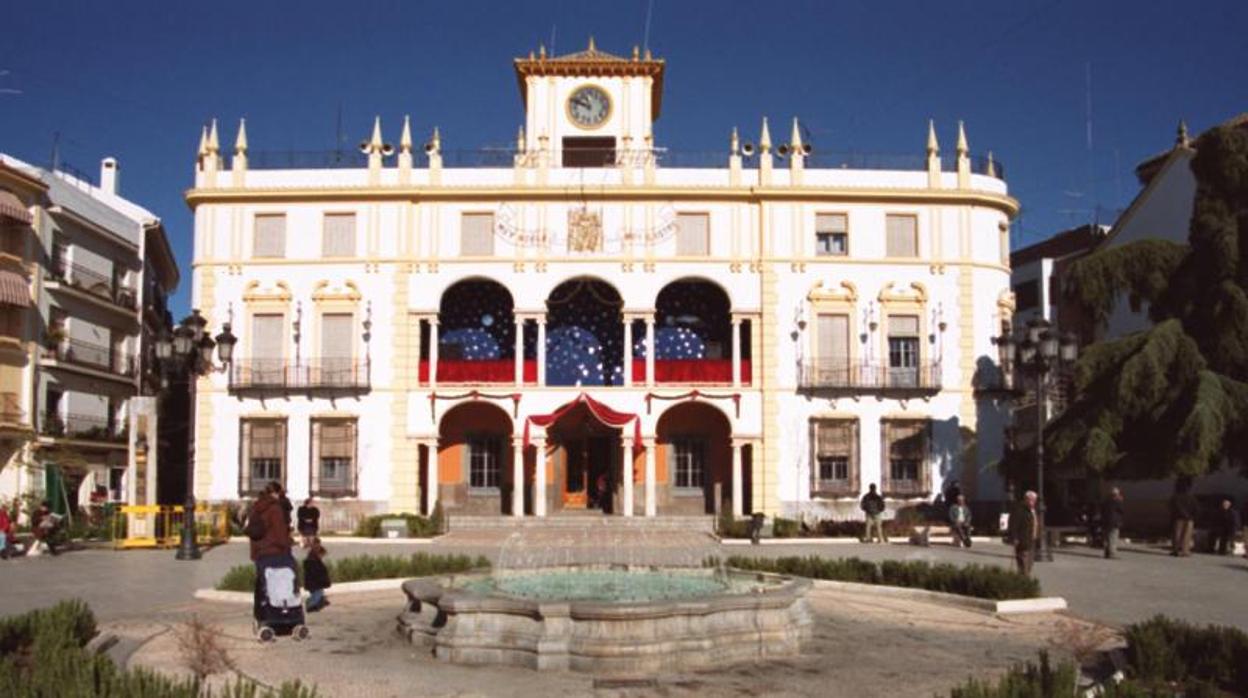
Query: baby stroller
279	609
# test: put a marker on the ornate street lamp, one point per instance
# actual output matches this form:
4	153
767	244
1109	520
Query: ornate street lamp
1039	350
186	353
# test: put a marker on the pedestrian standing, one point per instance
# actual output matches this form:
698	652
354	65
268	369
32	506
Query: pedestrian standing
1226	528
1183	507
960	522
308	521
316	576
873	506
43	525
1025	532
1111	522
270	538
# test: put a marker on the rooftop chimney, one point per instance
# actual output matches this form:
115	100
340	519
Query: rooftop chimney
109	174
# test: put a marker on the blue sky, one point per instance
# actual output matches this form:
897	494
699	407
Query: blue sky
137	79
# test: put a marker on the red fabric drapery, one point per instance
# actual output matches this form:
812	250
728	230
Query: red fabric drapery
478	371
692	371
601	412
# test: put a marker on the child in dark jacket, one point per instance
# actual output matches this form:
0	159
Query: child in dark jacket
316	576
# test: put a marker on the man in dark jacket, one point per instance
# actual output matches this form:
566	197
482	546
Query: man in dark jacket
1226	528
873	507
1111	522
1025	532
1183	508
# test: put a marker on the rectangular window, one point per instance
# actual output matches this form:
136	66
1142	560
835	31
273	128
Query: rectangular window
906	453
835	446
832	350
116	484
903	350
831	235
483	462
902	236
476	235
339	235
589	151
1027	295
690	462
693	237
267	365
336	364
333	457
264	453
270	236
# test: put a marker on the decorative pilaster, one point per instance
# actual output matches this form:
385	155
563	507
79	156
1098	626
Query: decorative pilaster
433	352
649	318
539	476
519	351
541	350
651	493
628	351
736	351
628	474
738	479
517	476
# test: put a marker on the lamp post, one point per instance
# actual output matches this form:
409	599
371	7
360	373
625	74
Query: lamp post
1038	351
186	353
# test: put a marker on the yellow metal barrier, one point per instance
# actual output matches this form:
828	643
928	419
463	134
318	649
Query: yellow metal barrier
154	526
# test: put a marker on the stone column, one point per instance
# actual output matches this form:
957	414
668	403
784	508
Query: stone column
541	350
433	351
738	497
651	494
517	476
736	351
628	351
649	318
519	351
628	475
431	475
539	476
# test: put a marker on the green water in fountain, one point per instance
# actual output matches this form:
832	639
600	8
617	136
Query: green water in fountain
610	585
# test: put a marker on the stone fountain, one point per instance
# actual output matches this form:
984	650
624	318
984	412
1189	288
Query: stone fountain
607	619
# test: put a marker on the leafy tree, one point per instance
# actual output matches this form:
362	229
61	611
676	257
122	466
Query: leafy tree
1171	400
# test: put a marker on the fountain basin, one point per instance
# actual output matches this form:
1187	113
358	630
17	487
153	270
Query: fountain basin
688	618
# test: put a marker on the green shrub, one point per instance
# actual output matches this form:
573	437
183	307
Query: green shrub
1024	681
42	653
979	581
1162	650
365	567
729	527
784	528
417	526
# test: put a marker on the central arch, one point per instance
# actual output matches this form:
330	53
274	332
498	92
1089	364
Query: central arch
584	334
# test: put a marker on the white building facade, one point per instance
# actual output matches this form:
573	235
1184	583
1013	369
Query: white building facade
592	321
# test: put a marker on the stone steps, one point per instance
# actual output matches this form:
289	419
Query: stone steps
578	521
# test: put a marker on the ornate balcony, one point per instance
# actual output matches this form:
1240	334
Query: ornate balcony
83	427
89	355
92	283
328	375
844	377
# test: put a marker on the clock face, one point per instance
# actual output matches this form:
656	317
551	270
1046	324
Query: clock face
589	106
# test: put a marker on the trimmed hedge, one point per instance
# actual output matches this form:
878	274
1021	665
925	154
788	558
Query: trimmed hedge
1024	681
417	526
980	581
1162	650
364	567
42	653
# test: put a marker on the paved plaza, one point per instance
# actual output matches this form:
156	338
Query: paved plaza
1144	582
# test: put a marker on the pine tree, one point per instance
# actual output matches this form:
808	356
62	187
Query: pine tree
1173	399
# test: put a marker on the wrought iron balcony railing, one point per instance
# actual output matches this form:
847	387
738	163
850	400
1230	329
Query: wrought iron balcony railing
95	282
85	427
847	377
91	355
280	375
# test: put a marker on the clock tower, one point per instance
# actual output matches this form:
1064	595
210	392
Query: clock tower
591	107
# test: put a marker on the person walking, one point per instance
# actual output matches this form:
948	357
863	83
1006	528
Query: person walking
271	543
316	576
1025	532
1111	522
960	522
43	524
1226	528
6	533
873	506
308	521
1183	507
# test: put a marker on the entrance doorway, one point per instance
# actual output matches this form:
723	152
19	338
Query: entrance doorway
589	475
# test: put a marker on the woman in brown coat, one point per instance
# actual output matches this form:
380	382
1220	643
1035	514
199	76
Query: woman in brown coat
271	543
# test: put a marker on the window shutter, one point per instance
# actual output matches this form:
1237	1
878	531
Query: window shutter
903	236
854	480
831	223
903	325
833	339
245	485
692	235
339	235
315	465
270	236
476	235
266	336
